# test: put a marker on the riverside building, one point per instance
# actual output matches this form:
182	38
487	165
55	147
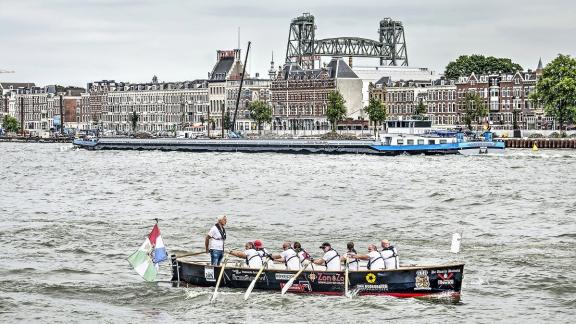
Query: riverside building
300	97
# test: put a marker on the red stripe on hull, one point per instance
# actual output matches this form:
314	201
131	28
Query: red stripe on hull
455	295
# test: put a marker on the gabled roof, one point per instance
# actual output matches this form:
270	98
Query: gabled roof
221	69
340	70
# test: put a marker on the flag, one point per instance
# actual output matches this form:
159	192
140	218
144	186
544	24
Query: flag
151	252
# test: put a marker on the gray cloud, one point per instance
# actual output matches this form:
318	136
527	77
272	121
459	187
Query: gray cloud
74	42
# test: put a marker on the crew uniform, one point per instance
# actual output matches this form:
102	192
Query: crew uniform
375	261
217	235
291	259
253	258
353	263
331	259
390	256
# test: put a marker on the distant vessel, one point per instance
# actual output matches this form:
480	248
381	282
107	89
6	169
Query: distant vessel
418	137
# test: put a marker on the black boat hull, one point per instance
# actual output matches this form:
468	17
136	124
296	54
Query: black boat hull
443	281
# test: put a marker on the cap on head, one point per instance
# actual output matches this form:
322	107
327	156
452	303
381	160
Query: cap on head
258	244
325	244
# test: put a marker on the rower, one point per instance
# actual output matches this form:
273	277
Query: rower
331	258
259	246
353	263
302	254
375	260
250	255
390	255
288	256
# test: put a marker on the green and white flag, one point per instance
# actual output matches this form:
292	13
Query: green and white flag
142	261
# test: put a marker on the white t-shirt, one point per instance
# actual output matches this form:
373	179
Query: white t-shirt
390	261
216	241
353	264
376	262
263	252
333	261
291	259
253	258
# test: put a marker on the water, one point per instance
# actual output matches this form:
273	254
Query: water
70	218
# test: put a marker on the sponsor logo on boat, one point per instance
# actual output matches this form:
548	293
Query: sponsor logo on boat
209	274
446	279
422	280
364	287
312	276
326	278
370	278
247	275
301	286
283	276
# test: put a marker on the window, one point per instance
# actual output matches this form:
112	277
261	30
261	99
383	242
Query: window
432	142
400	141
410	142
443	141
420	142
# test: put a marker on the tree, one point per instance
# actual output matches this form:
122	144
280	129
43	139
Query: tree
556	89
421	109
134	120
474	108
479	64
202	120
10	124
336	110
260	112
227	122
376	113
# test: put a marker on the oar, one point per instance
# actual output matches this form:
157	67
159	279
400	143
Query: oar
190	254
253	283
346	278
219	278
291	281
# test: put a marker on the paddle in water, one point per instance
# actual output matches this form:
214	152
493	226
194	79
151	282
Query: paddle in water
253	283
291	281
346	280
220	278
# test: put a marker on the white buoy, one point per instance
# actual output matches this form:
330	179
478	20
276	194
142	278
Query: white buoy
456	238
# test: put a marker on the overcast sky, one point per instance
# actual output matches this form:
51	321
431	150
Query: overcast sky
72	42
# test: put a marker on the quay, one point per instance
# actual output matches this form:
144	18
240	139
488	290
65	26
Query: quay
20	139
554	143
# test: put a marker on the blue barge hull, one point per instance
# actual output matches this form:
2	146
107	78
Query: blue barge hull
269	146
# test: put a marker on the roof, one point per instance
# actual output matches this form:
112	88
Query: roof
384	81
221	69
16	85
340	70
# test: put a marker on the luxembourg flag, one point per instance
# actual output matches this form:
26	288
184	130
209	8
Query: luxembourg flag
145	260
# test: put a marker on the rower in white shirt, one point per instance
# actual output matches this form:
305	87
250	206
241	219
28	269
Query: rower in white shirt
331	258
375	260
390	255
250	255
288	256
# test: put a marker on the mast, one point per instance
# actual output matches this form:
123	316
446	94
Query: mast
240	88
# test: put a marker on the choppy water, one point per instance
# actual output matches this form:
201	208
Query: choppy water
70	218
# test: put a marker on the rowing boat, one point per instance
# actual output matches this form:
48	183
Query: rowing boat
420	281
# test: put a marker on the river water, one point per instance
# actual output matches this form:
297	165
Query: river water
70	218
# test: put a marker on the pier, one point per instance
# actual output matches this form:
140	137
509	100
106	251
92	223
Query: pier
553	143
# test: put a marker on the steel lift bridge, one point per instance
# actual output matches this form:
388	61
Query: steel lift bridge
304	49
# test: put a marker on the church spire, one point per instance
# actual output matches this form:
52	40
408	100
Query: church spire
272	72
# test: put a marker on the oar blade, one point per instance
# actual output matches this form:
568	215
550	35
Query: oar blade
249	290
288	285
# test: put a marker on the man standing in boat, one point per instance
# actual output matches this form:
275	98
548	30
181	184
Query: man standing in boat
331	258
214	242
375	259
288	256
390	255
253	259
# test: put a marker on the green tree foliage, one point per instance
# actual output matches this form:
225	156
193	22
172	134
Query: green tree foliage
260	112
556	89
479	64
474	108
134	120
421	109
376	113
10	124
336	110
227	121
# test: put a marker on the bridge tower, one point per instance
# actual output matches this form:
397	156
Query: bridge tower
392	38
301	41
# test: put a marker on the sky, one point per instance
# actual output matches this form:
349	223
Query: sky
73	42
